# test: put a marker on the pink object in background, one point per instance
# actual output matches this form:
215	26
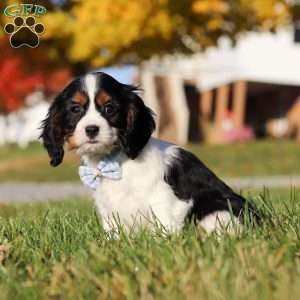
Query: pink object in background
239	134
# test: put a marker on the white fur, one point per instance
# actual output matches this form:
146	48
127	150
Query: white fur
107	135
217	221
141	194
91	85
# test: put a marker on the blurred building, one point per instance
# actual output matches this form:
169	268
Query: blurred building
228	94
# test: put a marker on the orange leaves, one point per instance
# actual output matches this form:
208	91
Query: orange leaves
97	33
58	24
210	6
15	82
23	72
57	80
269	14
112	26
102	32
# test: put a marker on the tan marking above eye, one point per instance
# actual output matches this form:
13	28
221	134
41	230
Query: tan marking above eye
102	98
80	98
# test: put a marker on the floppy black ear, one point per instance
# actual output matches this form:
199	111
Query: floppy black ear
53	133
53	127
140	125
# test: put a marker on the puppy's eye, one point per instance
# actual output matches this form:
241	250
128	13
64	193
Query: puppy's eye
76	109
109	109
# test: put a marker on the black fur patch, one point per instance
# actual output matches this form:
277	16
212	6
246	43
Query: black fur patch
59	123
190	179
140	125
133	119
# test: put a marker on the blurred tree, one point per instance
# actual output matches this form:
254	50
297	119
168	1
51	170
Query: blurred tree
85	33
24	70
97	33
16	79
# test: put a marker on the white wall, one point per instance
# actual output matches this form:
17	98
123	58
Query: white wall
261	57
23	126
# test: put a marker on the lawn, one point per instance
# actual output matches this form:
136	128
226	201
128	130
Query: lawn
250	159
59	251
32	164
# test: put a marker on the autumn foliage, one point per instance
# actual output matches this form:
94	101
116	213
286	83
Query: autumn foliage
15	80
22	73
86	34
98	33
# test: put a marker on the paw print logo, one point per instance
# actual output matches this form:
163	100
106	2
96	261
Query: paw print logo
24	32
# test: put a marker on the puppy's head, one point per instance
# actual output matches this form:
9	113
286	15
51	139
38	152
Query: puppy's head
95	114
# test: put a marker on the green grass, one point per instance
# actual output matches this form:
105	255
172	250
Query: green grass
59	251
263	157
251	159
32	164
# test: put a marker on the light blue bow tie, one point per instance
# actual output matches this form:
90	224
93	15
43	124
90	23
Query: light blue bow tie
92	177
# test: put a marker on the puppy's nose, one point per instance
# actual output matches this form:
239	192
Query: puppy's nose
92	131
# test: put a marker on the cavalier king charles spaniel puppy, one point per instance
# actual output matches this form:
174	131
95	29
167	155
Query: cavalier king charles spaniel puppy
135	179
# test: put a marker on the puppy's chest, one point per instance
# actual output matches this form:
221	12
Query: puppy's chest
140	189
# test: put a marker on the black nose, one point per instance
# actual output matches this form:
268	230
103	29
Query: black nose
92	131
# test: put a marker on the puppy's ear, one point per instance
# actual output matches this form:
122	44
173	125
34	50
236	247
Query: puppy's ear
53	133
53	127
140	125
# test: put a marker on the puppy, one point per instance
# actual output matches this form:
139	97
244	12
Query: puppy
135	179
